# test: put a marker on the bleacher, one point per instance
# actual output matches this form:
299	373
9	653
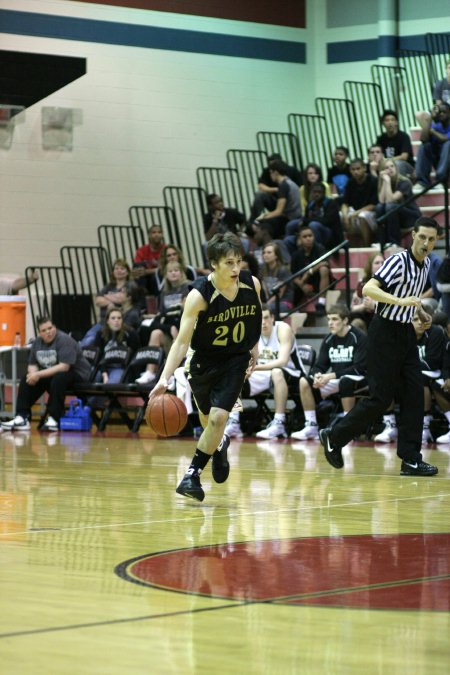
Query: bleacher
352	121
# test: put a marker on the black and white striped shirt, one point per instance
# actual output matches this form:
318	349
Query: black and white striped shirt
401	275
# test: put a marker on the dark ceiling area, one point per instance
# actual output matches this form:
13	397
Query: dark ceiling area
27	78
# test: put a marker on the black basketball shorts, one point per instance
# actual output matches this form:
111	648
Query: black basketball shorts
217	383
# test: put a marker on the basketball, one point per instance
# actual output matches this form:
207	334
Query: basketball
166	415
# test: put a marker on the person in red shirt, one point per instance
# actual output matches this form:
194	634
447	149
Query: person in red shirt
147	256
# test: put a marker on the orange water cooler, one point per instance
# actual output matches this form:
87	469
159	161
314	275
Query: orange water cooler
12	319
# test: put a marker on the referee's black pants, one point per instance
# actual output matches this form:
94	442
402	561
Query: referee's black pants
393	371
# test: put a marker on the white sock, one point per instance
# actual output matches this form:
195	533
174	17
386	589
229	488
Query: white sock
426	421
280	417
234	417
447	416
390	419
310	417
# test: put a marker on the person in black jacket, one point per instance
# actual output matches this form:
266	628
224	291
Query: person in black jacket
322	216
340	369
115	334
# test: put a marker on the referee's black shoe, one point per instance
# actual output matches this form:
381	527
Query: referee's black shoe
418	469
333	454
220	466
191	487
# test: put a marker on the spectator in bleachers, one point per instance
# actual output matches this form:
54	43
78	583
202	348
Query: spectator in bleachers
359	201
170	253
311	175
55	363
375	155
340	370
339	174
287	205
431	343
261	237
274	270
164	327
362	307
441	392
443	284
11	284
317	279
115	333
441	94
220	218
435	148
322	216
277	363
396	144
266	195
146	257
393	190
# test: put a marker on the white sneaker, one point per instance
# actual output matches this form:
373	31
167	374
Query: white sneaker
426	435
19	423
233	429
50	424
444	439
275	429
418	187
146	377
388	435
309	432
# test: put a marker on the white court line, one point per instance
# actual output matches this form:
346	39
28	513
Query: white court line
227	515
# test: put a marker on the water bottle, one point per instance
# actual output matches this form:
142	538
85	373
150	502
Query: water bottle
17	340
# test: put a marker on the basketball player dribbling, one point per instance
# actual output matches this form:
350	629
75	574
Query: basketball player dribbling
220	325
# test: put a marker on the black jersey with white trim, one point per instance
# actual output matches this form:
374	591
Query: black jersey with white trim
227	326
401	275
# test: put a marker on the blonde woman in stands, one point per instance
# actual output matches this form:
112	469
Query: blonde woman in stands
393	190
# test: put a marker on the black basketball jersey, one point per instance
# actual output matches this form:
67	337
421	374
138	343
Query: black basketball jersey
227	326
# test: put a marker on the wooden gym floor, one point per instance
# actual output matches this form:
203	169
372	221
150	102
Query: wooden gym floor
289	567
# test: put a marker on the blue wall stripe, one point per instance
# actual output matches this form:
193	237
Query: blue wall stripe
151	37
372	49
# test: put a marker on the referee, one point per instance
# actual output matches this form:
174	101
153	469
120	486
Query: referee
393	366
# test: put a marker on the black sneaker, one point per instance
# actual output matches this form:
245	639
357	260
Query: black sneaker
333	455
418	469
190	486
220	465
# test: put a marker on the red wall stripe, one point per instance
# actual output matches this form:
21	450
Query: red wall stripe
290	13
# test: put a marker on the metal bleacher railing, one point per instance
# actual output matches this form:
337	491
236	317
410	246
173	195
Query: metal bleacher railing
121	241
438	47
249	165
53	281
340	119
283	143
368	105
189	206
417	82
313	138
143	217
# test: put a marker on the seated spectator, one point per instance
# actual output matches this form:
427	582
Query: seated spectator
170	253
340	370
311	175
441	392
359	201
274	270
266	196
115	333
317	279
363	308
441	94
375	154
435	148
339	173
287	206
396	144
220	218
164	327
431	343
55	363
262	236
393	190
119	293
322	216
443	284
277	364
11	284
146	257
